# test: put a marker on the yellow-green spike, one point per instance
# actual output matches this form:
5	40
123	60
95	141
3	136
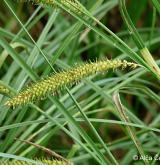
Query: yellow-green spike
55	82
44	161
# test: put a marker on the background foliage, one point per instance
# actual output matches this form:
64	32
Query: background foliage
105	119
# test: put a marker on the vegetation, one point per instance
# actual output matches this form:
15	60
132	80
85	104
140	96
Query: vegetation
79	82
49	162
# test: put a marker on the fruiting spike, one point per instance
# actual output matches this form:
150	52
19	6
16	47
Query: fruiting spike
4	90
55	82
44	161
72	5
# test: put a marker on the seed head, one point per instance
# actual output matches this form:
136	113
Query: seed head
4	90
47	162
72	5
57	81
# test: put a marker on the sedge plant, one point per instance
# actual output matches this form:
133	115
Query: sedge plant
79	119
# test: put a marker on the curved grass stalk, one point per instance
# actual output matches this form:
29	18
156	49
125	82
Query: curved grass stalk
138	40
156	4
4	54
59	80
130	130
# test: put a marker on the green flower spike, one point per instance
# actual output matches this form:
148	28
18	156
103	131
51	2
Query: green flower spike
73	5
4	90
46	162
52	84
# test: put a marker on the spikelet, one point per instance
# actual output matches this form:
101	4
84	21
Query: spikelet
59	80
72	5
4	90
44	161
43	2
